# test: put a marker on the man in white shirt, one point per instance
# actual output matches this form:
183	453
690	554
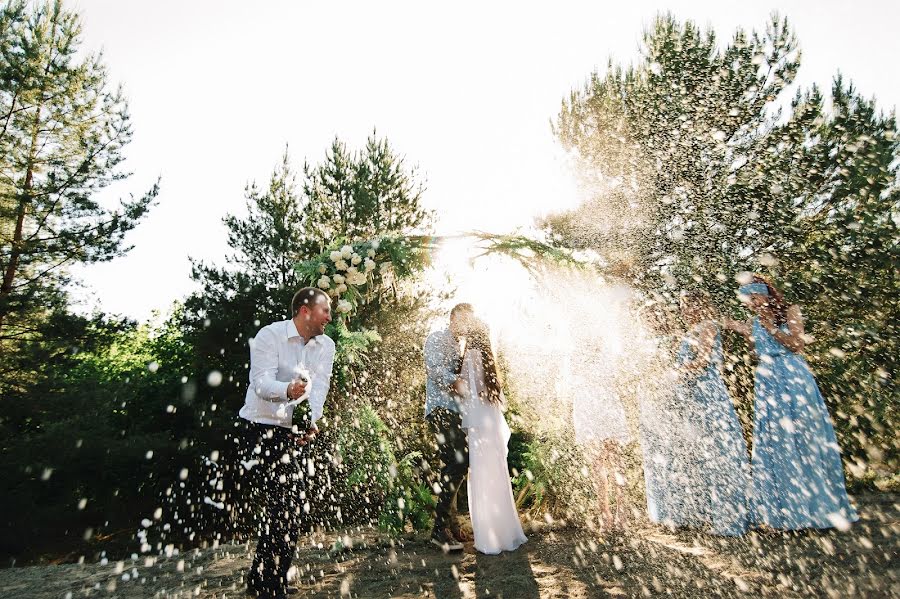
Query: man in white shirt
290	362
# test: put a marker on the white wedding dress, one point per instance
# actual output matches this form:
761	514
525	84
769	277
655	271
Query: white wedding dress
495	521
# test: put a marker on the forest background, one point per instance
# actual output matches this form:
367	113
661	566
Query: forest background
698	164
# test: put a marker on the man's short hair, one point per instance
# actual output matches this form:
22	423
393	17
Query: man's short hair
462	309
307	297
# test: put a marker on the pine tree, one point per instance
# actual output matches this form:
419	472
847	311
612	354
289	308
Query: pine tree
63	133
362	195
661	143
697	175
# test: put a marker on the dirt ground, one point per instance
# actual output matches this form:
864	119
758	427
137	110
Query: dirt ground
646	561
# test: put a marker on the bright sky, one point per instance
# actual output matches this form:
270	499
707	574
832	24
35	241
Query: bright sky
465	90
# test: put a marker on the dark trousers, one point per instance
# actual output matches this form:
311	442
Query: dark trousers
274	485
453	451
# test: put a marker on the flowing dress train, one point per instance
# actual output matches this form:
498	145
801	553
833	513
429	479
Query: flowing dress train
495	521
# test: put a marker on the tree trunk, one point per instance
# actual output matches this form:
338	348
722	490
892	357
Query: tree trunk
12	267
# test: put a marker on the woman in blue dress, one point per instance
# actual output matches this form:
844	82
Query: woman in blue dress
798	478
715	466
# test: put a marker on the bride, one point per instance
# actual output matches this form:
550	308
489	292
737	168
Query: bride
495	521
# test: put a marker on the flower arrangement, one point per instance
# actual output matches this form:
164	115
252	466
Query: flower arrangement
352	272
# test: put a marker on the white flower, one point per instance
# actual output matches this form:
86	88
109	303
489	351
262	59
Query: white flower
344	306
324	282
322	268
369	265
355	259
341	265
335	256
375	244
370	253
352	270
357	278
340	288
338	279
346	252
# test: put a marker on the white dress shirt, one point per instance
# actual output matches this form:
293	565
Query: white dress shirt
279	355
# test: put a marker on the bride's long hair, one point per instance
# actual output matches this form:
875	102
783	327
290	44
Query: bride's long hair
478	337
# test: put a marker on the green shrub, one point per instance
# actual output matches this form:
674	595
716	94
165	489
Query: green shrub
391	493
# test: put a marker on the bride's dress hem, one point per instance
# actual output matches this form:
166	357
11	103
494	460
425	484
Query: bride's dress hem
498	552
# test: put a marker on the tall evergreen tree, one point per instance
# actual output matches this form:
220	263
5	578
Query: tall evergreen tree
660	143
64	129
348	197
697	175
362	195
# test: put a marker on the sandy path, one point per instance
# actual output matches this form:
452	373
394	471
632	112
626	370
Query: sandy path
864	562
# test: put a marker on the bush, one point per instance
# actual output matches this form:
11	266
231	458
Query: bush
387	486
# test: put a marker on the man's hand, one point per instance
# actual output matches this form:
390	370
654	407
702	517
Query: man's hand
296	389
308	436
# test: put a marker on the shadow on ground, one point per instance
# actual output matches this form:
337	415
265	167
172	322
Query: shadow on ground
647	561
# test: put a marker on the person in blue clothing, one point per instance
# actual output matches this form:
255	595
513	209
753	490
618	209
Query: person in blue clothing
716	468
797	475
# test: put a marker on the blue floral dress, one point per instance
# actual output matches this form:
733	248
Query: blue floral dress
798	478
715	466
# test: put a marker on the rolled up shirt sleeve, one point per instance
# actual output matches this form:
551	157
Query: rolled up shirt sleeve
264	368
321	381
436	366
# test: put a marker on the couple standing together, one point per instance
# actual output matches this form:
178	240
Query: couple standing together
464	406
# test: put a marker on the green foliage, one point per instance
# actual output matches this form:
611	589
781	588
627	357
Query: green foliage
362	195
101	433
351	351
373	472
660	144
78	417
697	175
551	476
267	241
532	254
62	141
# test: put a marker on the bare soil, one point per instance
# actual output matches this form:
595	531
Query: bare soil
645	561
